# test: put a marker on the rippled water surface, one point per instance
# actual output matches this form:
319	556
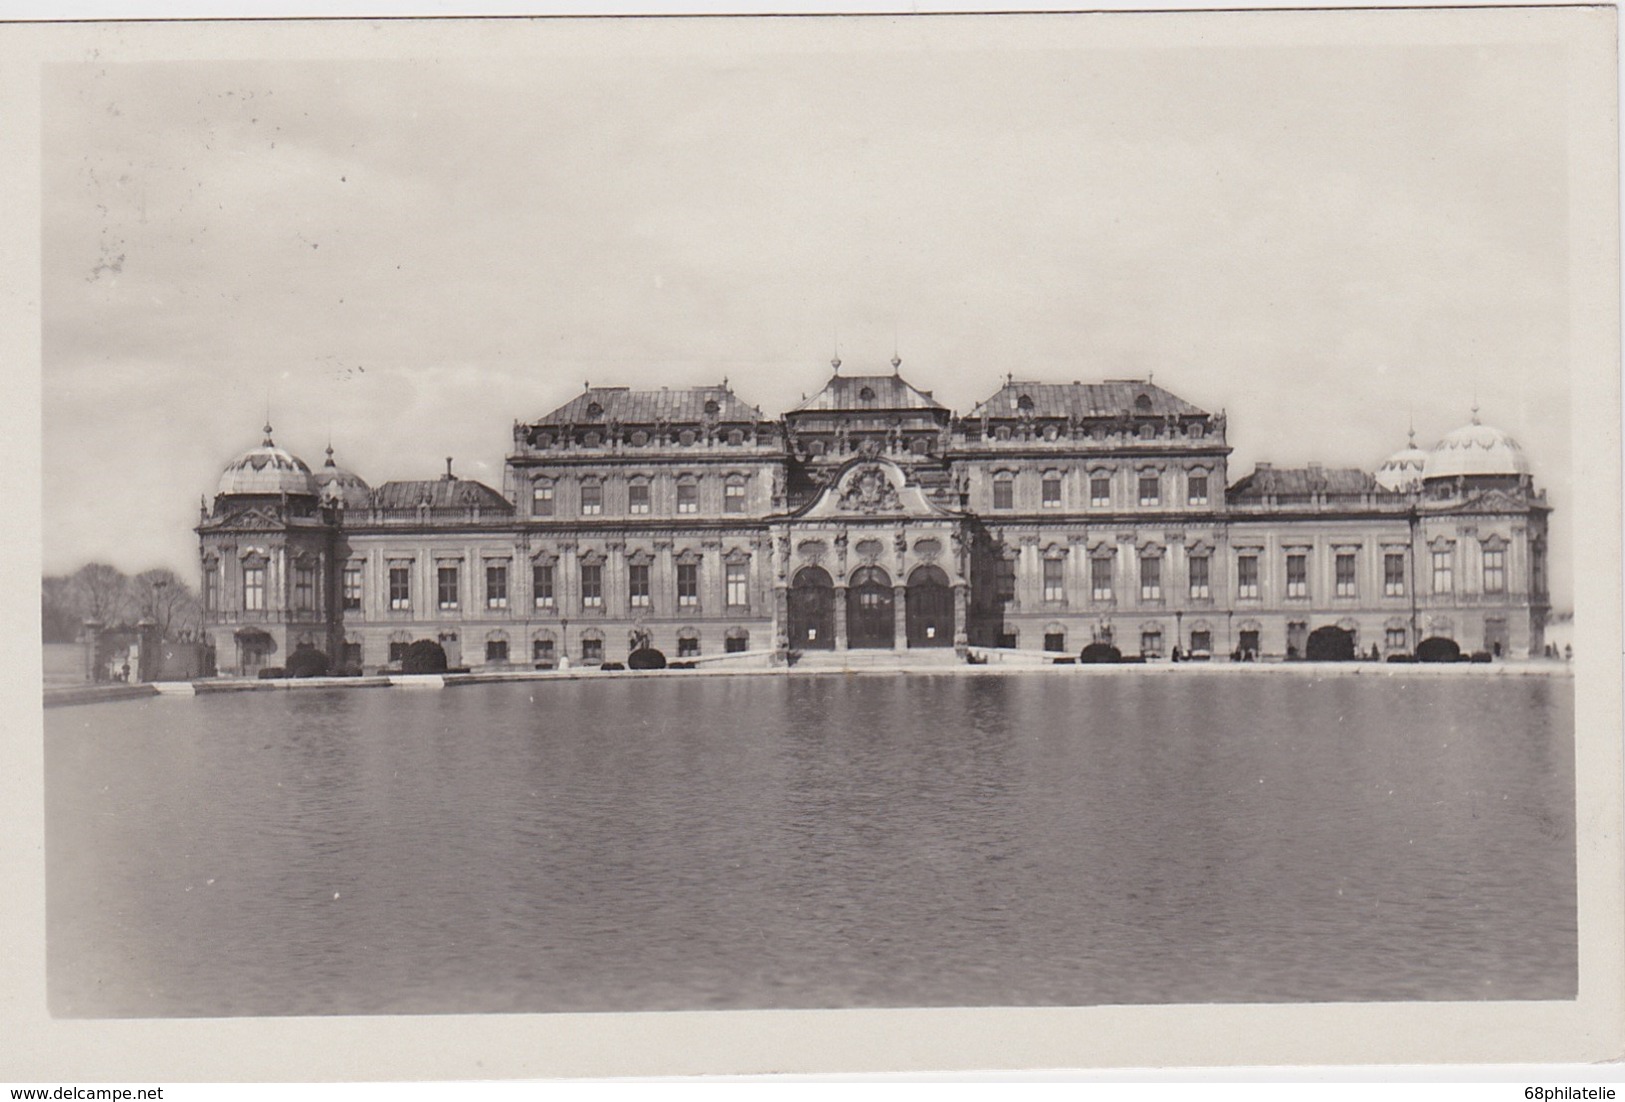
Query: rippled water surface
758	842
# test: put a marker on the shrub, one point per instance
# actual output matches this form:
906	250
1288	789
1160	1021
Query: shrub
1330	644
268	672
1100	652
307	662
1481	656
1438	649
1065	660
424	656
613	666
646	658
1402	658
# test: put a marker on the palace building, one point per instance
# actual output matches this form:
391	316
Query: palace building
1048	516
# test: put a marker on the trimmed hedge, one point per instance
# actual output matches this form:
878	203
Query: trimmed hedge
1100	652
271	672
646	658
1438	649
1330	644
424	656
307	662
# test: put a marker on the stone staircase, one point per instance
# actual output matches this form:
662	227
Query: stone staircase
903	659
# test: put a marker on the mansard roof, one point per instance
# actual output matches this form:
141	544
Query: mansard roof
1305	480
845	392
1113	398
673	404
440	493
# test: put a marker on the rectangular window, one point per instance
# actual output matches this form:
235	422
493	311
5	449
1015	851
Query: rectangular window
738	584
1537	568
496	585
400	588
1150	578
1054	580
541	499
637	585
397	650
592	585
637	497
1199	578
688	584
1393	574
1345	575
1052	491
1395	638
1247	576
733	497
688	646
1248	643
1198	489
1150	488
1004	493
1495	571
592	498
1055	641
736	644
1005	581
541	584
254	588
592	651
541	650
496	650
1297	575
1151	643
446	586
688	497
304	587
1444	580
352	587
1201	642
1100	579
211	587
1100	490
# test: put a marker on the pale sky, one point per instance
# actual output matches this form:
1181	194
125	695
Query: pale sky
409	255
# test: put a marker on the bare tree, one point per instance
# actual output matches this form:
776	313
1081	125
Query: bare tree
102	592
162	596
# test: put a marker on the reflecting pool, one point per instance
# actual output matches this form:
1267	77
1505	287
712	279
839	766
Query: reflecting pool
828	841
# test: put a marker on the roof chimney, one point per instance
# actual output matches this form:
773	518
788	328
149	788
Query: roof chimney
449	476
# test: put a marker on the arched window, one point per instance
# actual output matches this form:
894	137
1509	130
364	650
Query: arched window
496	647
711	407
1143	403
1024	403
737	641
594	410
866	395
639	438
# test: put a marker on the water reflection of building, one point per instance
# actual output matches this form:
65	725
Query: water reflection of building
1047	517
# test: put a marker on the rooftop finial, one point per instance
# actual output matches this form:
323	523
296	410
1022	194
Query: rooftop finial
835	362
725	383
1475	409
330	462
449	476
267	443
896	362
1411	432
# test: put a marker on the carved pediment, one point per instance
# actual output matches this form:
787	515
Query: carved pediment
257	519
868	490
928	549
736	555
812	550
869	549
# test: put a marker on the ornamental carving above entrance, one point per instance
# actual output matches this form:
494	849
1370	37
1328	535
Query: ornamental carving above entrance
868	490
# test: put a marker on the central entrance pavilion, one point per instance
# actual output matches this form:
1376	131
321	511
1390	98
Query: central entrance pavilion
871	563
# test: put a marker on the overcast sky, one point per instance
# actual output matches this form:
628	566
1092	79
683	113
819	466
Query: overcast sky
409	255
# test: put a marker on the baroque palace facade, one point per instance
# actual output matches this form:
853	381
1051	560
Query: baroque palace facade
870	516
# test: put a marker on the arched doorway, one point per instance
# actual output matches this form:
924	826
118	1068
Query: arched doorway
812	610
930	608
870	621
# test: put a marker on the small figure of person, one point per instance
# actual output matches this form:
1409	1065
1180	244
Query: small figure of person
1568	652
124	671
1177	654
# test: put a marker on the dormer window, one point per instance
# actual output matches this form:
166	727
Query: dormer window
736	437
686	437
594	410
1024	403
1196	430
711	407
866	394
1143	403
1148	432
639	438
590	439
